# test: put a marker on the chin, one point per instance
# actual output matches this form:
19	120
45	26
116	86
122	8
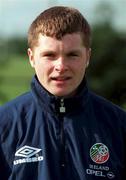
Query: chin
59	94
64	94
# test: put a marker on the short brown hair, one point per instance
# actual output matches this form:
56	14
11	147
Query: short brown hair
58	21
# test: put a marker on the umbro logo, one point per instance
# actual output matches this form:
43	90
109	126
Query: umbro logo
27	151
30	154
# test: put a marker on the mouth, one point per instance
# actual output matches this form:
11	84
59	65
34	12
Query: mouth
60	79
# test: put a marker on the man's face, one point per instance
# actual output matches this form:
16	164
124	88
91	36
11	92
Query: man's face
60	64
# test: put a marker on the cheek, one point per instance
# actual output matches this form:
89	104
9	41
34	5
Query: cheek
80	70
80	67
45	69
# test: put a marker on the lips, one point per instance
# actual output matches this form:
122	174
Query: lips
61	78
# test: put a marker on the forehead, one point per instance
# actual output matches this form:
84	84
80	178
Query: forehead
66	42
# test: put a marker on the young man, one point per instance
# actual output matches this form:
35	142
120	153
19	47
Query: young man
60	130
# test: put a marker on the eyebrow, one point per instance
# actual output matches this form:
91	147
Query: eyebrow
76	51
47	52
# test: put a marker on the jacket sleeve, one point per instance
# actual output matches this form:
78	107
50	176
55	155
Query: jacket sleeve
123	117
4	167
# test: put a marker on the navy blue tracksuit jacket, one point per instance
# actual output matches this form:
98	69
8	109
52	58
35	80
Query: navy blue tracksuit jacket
43	137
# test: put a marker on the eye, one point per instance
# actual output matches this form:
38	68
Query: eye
49	55
72	54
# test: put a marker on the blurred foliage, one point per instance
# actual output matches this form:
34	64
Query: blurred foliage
107	72
13	45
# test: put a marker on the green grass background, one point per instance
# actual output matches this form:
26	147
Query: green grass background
15	76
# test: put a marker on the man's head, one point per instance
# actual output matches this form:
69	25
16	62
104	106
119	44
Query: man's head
58	21
59	49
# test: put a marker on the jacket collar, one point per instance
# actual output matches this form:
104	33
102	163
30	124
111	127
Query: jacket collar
55	104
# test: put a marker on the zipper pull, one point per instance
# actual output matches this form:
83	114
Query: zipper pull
62	108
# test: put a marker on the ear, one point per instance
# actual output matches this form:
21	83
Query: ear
31	57
88	56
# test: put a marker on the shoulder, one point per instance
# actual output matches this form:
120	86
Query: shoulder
105	106
19	101
110	116
12	110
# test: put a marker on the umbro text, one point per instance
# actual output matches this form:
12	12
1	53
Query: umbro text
28	160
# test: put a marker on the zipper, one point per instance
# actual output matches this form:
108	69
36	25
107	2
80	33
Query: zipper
62	110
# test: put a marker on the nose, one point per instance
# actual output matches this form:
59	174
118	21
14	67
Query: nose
61	65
